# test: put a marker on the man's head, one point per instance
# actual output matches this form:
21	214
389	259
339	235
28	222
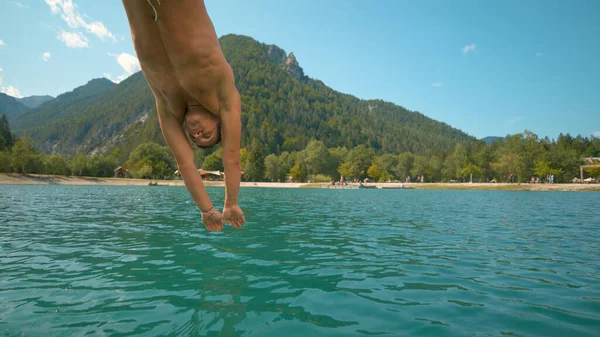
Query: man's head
203	127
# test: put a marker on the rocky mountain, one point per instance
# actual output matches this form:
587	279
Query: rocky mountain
35	101
281	107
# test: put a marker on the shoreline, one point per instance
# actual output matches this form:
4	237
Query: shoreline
43	179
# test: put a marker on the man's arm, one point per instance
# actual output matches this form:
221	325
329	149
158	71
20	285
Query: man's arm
231	128
174	135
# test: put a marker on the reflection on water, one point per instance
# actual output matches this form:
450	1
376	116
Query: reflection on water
136	260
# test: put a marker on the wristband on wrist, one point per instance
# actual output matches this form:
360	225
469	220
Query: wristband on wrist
208	210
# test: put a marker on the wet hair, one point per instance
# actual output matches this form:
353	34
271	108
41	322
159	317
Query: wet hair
218	136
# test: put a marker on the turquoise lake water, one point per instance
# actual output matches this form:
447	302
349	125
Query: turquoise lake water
121	261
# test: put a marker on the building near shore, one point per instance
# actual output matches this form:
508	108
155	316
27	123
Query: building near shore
121	172
205	174
212	175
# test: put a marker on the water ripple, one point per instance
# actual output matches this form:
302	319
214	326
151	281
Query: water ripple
137	261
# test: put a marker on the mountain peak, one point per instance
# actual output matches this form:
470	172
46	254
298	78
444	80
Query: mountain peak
294	69
92	87
288	62
11	106
35	100
276	54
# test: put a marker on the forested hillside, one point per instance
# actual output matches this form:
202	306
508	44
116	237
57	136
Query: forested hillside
11	106
293	126
282	108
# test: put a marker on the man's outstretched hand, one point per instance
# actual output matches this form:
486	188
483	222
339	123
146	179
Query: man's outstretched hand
233	215
213	220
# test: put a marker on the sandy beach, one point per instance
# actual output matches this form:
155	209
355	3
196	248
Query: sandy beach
40	179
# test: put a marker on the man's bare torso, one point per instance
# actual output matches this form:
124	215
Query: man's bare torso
179	53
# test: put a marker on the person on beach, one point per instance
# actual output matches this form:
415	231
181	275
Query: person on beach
195	93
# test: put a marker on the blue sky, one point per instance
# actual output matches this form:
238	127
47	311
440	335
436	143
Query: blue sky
485	67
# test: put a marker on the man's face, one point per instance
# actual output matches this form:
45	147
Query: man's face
202	127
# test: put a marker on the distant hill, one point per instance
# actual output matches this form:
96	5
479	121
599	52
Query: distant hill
281	107
491	139
34	101
62	105
11	107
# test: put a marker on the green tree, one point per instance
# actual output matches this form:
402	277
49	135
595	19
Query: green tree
214	161
387	163
336	158
162	170
360	159
471	169
317	157
455	162
483	156
255	171
542	168
286	162
144	172
420	166
434	171
78	164
374	171
56	164
153	152
566	159
298	172
272	167
349	171
24	158
6	137
508	164
405	165
5	162
101	166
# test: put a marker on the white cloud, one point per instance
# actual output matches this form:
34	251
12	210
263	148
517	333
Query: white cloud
437	84
128	62
74	39
514	120
469	48
2	43
109	77
597	134
538	54
46	56
11	91
69	13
